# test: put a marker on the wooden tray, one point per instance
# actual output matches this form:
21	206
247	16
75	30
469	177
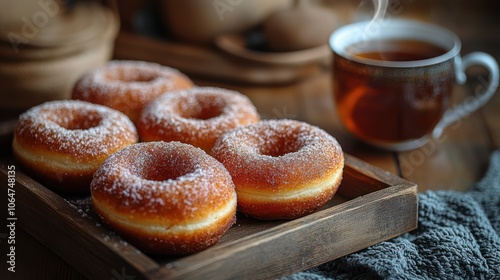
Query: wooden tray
371	206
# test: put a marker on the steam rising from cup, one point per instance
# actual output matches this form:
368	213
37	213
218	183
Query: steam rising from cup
380	10
373	28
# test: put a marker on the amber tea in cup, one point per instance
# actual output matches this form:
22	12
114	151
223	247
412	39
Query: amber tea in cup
396	50
377	107
392	83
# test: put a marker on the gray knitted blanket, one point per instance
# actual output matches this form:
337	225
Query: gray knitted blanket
458	237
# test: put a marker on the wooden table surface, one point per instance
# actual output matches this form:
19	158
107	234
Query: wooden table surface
454	162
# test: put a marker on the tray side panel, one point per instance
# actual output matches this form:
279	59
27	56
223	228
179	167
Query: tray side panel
305	243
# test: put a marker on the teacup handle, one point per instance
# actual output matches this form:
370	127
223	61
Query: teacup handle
469	105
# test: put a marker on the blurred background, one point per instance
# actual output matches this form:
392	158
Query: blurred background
275	52
47	44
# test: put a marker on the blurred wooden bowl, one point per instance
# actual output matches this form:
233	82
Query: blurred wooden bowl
69	32
199	21
48	65
29	83
15	13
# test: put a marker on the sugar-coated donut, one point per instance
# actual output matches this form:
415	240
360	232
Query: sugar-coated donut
196	116
62	143
282	169
166	198
128	86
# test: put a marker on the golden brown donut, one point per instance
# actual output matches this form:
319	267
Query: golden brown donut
128	86
282	169
62	143
166	198
196	116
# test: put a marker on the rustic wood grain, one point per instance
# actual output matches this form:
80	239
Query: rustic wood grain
30	254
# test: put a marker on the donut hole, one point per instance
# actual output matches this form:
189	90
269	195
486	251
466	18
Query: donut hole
131	76
205	113
76	120
201	108
161	167
278	146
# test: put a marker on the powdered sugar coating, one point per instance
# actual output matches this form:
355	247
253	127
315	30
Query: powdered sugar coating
76	129
278	155
129	86
196	116
159	181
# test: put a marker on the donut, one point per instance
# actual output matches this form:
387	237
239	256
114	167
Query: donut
167	198
62	143
282	169
196	116
128	86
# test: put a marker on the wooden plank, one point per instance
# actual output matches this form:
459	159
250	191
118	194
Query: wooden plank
377	206
34	260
